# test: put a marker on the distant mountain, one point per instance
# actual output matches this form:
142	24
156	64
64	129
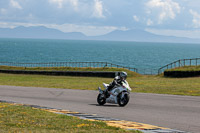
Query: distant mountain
38	32
117	35
143	36
130	35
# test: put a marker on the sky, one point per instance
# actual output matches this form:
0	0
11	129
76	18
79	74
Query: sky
97	17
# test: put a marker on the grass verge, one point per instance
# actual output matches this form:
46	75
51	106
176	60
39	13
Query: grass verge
16	118
144	84
163	85
108	69
186	68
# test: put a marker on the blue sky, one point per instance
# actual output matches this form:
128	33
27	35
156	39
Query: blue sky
97	17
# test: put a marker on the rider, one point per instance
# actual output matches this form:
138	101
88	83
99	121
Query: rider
121	77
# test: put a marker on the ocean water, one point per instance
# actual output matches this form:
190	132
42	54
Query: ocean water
139	55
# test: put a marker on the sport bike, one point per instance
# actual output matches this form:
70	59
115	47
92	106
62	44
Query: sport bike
118	95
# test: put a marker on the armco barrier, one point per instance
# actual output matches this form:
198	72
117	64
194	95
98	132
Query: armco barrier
64	73
181	74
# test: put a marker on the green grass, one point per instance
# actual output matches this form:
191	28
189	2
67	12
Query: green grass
186	68
139	83
163	85
108	69
16	118
144	84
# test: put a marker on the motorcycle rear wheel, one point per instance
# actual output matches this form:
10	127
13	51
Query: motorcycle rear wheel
123	101
101	99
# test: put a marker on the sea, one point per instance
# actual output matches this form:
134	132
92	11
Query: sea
141	55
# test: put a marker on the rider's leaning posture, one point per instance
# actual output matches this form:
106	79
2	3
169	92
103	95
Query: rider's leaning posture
118	81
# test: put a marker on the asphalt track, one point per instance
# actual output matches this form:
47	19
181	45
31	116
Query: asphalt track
171	111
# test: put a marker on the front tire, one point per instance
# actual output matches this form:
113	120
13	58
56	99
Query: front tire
123	101
101	99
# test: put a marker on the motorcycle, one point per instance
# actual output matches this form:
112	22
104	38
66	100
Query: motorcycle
118	95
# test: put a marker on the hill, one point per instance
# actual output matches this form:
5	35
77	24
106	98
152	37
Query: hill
38	32
143	36
117	35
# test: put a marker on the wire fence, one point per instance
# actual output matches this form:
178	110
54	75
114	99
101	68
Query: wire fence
180	63
68	64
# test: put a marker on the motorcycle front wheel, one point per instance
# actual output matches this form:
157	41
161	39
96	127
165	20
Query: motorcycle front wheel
101	99
122	101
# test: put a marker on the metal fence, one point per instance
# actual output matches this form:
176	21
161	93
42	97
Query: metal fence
67	64
180	63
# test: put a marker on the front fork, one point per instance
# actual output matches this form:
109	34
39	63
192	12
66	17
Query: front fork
100	91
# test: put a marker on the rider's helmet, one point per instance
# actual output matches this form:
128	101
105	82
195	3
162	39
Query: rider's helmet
123	75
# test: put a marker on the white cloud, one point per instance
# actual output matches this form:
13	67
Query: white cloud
15	24
62	3
149	22
98	9
196	19
3	11
163	9
75	4
100	16
15	4
136	18
88	30
58	2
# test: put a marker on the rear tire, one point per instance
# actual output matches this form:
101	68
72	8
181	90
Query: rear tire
123	101
101	99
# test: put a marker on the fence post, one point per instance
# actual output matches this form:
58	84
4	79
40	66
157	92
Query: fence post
184	62
196	62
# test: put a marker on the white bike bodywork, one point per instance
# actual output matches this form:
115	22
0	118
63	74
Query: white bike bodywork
117	94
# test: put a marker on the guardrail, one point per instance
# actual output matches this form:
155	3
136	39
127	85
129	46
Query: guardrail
67	64
180	63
